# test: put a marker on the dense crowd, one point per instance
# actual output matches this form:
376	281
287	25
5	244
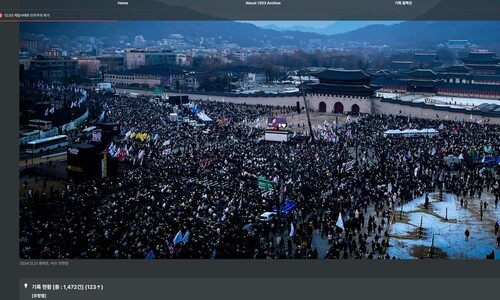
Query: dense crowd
206	184
54	101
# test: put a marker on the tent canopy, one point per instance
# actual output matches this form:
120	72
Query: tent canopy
411	132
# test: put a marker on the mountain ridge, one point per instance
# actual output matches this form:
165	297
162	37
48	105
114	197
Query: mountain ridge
405	34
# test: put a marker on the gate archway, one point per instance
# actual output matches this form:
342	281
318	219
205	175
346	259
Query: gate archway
338	108
322	106
355	109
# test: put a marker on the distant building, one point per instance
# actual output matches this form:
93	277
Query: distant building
247	75
88	66
112	63
458	44
55	52
160	58
170	77
135	59
139	58
182	60
392	82
28	45
191	82
257	78
482	62
469	90
48	69
241	56
411	61
462	80
457	80
422	81
91	53
425	60
401	66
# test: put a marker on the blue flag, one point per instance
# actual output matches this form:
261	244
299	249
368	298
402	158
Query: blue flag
178	237
150	255
101	117
185	239
340	222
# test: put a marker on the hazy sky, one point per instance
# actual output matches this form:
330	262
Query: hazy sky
313	24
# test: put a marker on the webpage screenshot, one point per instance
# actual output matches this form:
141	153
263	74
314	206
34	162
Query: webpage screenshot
250	149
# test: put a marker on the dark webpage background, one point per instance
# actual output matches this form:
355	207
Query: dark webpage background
239	10
463	10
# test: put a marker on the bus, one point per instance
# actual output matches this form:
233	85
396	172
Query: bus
30	133
46	144
40	124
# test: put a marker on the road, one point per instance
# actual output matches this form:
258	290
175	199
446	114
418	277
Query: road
37	159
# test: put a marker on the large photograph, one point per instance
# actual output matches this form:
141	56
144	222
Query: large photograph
259	140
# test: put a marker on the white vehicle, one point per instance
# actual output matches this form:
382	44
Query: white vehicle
46	144
104	85
40	124
267	216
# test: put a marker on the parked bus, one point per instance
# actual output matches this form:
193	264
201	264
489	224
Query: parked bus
46	144
40	124
30	133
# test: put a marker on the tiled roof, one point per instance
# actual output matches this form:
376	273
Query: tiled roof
341	75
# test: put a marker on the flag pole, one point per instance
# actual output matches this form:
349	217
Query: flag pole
431	252
307	108
278	205
420	228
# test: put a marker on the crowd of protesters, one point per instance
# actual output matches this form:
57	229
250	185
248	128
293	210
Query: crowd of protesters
175	177
56	102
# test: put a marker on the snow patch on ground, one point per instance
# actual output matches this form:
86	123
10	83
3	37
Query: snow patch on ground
448	235
453	102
